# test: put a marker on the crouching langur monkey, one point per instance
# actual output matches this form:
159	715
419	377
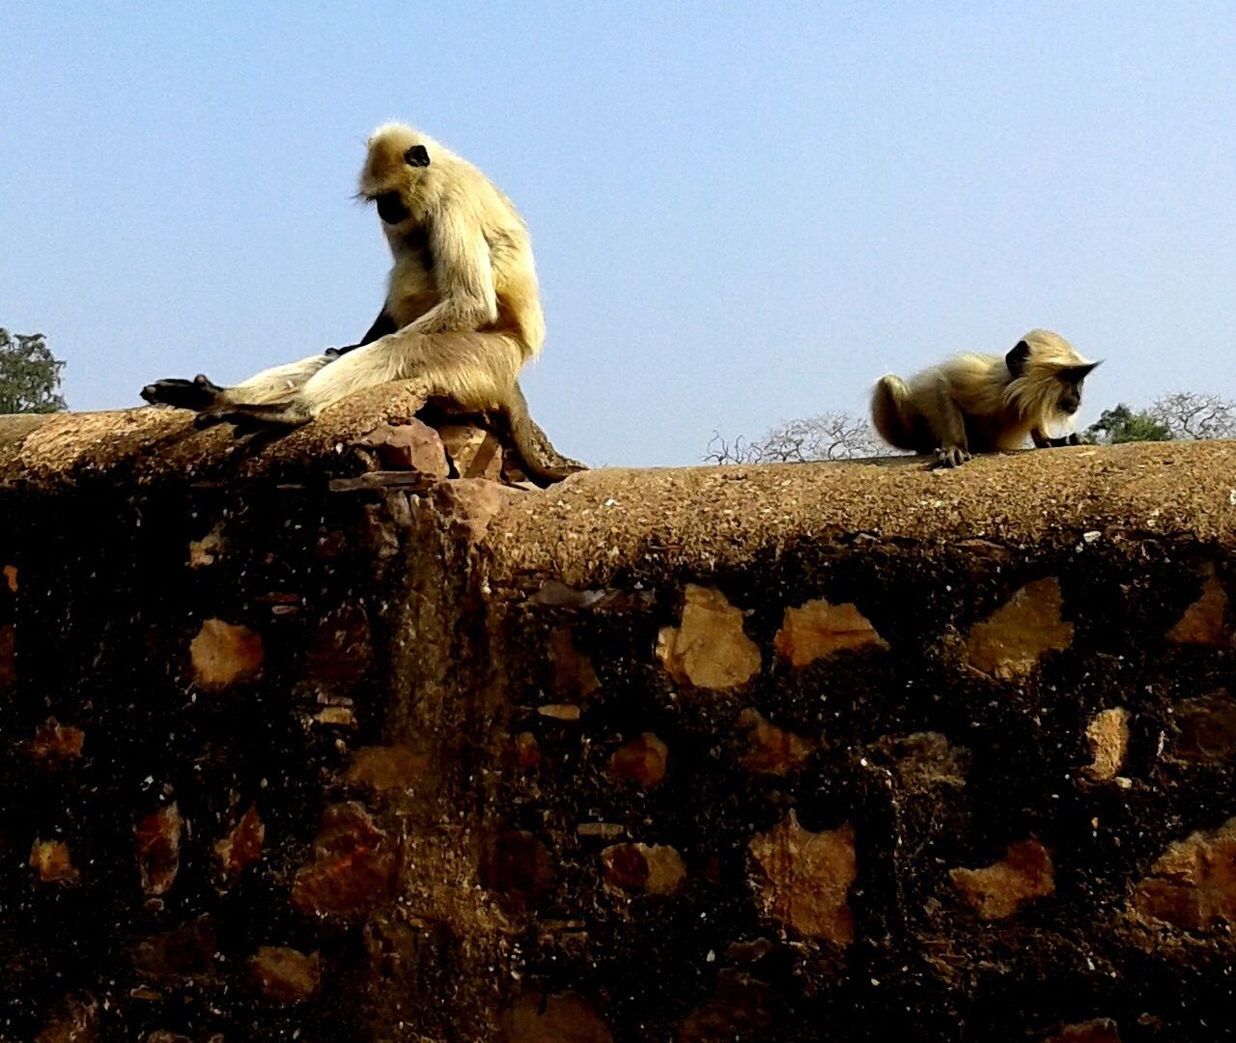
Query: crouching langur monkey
985	403
462	309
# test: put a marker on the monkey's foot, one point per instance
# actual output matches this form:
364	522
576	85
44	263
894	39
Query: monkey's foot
196	394
953	456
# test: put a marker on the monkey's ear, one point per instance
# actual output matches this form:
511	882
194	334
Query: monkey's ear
1076	374
1017	358
417	156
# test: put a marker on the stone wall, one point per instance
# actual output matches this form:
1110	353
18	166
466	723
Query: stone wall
295	748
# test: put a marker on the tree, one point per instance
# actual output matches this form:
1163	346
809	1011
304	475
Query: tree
29	374
828	436
1195	415
1121	424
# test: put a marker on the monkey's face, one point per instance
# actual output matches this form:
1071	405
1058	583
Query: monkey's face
396	161
1071	380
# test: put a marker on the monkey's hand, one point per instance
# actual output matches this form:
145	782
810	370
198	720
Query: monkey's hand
952	456
197	394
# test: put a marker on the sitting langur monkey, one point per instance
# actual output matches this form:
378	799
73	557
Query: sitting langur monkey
984	403
462	309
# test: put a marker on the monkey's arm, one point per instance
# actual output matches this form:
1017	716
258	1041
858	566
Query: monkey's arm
464	274
948	424
1042	440
382	325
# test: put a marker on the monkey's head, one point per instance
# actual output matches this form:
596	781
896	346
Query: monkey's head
1046	375
398	162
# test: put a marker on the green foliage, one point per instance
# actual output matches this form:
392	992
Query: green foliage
1121	424
29	374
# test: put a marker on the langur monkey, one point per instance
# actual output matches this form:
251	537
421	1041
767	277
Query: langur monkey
984	403
462	309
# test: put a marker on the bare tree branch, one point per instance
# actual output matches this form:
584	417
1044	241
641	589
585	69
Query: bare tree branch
827	436
1195	415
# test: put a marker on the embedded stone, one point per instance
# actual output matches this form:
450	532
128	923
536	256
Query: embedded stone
656	869
710	648
52	863
518	866
206	551
1205	621
340	650
574	676
1193	883
527	751
1108	733
560	711
242	846
925	761
1009	643
554	1018
335	717
388	769
75	1020
469	505
1205	727
475	452
158	848
187	951
741	1008
353	870
10	577
818	629
805	878
166	1036
642	761
997	891
408	446
772	750
8	655
223	654
1097	1030
284	976
55	742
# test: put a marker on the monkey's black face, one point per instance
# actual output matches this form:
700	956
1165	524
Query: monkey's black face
1070	398
391	208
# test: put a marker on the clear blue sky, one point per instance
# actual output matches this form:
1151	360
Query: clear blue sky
741	213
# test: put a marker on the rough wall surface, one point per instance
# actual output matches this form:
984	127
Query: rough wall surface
836	752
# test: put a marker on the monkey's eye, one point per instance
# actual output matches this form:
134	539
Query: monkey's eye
417	156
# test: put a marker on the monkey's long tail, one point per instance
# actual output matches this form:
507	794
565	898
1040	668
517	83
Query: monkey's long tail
890	407
542	462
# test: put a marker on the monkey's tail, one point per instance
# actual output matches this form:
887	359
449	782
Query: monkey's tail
541	461
890	408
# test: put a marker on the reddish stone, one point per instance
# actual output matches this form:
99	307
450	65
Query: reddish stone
772	750
642	761
1193	883
1098	1030
1205	621
409	446
341	648
1206	728
553	1018
710	648
574	676
806	877
527	751
353	869
52	863
223	654
284	976
740	1009
997	891
56	742
656	869
10	577
242	846
184	952
517	865
475	452
1009	643
388	769
8	656
75	1020
158	848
